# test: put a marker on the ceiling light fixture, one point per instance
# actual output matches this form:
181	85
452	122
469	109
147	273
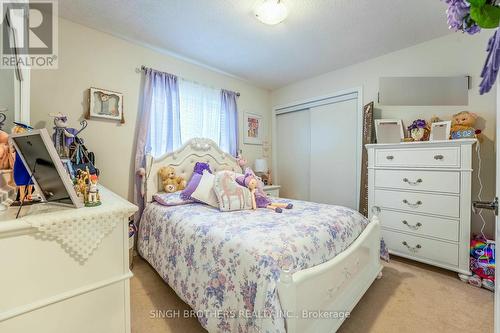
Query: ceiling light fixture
271	12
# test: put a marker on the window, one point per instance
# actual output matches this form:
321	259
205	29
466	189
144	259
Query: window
200	111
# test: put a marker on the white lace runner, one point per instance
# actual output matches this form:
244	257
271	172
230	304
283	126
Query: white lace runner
80	231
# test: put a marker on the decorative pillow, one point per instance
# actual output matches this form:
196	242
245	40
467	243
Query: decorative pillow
230	194
205	190
191	186
170	199
200	166
195	180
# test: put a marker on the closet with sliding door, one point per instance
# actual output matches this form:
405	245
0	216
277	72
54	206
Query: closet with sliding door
317	150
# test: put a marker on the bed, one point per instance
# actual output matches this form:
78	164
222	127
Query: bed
257	271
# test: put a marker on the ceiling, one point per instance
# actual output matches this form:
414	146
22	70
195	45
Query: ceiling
318	36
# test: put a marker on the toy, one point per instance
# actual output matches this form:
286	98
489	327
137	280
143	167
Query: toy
22	177
419	130
171	182
86	187
435	119
482	263
259	198
63	136
482	257
462	125
6	159
241	160
93	196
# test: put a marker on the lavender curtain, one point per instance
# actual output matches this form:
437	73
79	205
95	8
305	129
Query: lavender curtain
159	125
229	122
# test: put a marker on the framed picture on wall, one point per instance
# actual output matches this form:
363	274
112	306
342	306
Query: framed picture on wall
105	104
253	129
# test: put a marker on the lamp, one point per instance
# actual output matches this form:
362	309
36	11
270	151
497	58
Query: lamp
271	12
260	165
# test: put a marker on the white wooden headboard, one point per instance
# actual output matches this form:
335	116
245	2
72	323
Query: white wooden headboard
183	161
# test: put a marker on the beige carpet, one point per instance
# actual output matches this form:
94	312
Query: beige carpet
411	297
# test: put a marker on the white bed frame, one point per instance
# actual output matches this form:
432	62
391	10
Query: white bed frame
330	289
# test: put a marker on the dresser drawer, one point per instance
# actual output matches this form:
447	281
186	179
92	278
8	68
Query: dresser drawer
423	248
437	181
272	193
439	204
446	157
420	225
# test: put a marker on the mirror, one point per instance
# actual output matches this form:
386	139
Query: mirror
9	97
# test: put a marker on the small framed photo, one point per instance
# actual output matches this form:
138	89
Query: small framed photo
389	130
440	130
254	129
105	104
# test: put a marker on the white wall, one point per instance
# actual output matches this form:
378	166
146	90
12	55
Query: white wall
451	55
89	58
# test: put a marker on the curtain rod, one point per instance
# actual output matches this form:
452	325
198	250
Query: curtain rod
143	68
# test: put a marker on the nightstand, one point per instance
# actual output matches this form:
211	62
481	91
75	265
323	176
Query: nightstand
272	190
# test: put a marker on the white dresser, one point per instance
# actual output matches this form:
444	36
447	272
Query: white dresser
46	287
423	190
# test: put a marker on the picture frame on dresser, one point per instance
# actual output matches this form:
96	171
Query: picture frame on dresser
440	130
45	168
389	130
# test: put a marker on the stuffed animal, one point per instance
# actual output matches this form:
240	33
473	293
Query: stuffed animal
462	125
171	182
259	198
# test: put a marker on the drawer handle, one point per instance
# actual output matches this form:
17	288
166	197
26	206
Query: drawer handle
414	183
412	227
413	249
438	157
390	157
414	205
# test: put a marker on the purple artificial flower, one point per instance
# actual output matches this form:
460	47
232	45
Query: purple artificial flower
490	69
419	123
459	19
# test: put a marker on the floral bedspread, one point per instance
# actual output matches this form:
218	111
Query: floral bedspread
226	265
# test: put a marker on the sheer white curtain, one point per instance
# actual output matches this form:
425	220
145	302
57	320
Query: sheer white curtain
209	113
200	109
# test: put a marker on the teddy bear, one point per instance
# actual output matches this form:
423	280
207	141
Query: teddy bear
171	183
462	125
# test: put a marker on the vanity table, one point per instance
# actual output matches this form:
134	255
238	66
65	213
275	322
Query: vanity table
64	269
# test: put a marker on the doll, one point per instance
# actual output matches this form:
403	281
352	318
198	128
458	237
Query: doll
419	130
260	199
241	160
6	160
93	192
22	177
63	136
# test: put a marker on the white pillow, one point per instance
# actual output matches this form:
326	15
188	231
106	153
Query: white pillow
205	190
